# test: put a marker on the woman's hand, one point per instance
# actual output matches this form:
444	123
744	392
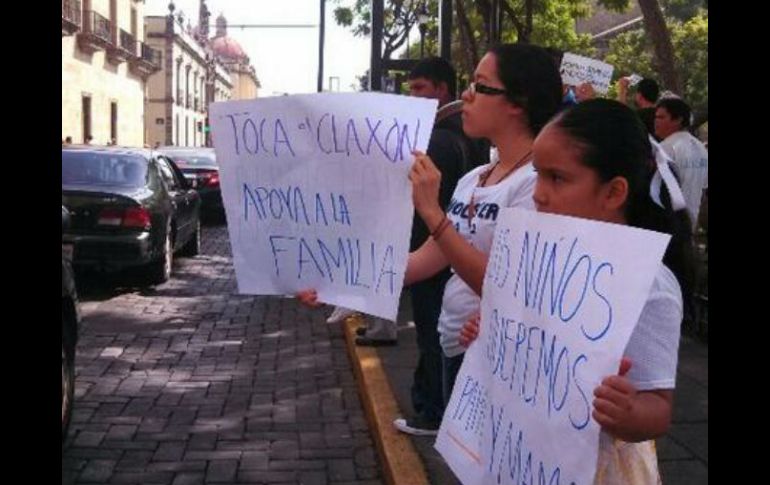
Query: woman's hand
309	298
470	331
426	181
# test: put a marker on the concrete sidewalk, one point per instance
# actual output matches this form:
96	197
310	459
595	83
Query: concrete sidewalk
682	453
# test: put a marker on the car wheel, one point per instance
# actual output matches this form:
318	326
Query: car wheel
160	271
193	246
67	380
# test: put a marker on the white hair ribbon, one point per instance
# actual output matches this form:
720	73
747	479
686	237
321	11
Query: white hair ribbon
663	173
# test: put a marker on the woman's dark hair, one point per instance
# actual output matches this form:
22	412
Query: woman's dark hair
615	143
531	80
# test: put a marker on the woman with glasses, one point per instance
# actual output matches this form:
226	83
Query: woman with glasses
516	89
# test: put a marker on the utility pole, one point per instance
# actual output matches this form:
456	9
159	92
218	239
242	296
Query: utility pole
322	26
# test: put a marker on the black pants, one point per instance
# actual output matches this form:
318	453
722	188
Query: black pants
451	367
427	385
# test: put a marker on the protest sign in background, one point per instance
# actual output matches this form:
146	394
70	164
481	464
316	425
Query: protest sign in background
576	70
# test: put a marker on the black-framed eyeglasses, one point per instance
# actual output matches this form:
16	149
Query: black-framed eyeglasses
476	87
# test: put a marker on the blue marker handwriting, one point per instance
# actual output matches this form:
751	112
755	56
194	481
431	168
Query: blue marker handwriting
510	459
537	368
291	203
569	280
348	261
341	135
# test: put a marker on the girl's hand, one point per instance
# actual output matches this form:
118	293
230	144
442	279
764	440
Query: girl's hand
614	400
470	331
309	298
426	181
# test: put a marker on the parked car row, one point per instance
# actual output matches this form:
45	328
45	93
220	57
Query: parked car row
129	207
199	166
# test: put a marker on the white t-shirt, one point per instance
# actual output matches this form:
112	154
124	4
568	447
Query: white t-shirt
460	301
692	162
654	344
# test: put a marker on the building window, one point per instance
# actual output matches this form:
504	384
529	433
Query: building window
86	110
186	131
113	122
176	133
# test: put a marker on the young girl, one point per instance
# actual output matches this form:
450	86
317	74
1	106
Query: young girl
516	89
595	161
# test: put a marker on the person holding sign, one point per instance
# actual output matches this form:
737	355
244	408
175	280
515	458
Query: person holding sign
596	161
647	92
515	91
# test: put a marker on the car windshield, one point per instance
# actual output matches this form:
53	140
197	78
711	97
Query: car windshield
113	169
192	159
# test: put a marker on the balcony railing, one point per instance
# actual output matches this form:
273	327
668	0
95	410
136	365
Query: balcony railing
127	42
97	25
150	55
147	62
123	48
71	16
96	33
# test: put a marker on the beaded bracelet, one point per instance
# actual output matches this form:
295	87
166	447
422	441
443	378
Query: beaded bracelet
441	228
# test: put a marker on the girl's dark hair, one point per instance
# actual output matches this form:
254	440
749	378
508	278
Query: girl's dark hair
615	143
531	80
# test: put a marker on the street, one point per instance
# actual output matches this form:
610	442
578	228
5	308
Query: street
188	382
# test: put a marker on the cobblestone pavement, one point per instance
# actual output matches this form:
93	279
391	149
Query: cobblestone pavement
188	383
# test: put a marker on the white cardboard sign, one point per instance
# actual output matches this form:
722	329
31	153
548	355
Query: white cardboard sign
316	193
561	297
576	70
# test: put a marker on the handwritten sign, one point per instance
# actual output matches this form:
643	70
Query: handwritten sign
576	70
634	79
316	193
561	298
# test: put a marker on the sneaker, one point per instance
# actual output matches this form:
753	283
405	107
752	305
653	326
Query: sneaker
416	426
339	314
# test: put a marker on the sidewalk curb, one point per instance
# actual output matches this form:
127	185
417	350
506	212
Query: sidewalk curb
401	464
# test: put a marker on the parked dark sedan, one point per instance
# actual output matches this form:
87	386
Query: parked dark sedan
199	166
129	207
70	323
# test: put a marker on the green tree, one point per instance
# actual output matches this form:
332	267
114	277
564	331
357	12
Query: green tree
683	10
399	17
550	23
631	52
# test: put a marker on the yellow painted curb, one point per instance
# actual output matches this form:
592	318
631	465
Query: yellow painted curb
401	464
